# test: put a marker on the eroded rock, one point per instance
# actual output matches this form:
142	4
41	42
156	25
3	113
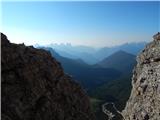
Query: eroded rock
34	87
144	102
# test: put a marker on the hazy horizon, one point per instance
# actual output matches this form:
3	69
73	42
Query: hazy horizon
94	24
95	47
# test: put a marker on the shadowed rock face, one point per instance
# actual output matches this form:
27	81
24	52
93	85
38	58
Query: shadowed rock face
34	87
144	102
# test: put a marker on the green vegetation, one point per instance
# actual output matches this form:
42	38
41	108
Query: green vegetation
116	91
107	81
95	104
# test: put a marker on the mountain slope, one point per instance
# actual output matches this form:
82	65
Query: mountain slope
83	52
120	60
34	87
132	48
116	90
93	55
88	75
144	100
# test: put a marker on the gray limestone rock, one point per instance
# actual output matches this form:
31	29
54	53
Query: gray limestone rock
144	101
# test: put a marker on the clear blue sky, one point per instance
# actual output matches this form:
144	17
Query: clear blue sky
86	23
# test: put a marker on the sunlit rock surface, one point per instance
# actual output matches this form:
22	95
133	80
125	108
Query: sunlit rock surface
144	102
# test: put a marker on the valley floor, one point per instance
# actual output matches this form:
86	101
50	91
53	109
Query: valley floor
111	111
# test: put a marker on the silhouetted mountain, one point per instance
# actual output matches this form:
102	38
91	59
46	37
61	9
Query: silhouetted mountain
91	55
133	48
69	48
35	87
66	54
66	62
74	52
88	75
116	90
112	75
120	60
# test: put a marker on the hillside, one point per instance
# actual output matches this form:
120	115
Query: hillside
132	48
35	87
94	55
75	52
120	60
87	75
116	90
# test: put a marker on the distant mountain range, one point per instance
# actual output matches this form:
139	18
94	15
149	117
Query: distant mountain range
92	55
132	48
88	75
116	90
74	52
106	80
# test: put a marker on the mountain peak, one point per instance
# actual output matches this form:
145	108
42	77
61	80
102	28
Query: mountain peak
118	61
157	36
4	39
121	52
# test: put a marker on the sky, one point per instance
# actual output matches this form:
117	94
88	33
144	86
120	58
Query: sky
95	24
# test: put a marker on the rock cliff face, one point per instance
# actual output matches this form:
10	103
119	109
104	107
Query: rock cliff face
34	87
144	102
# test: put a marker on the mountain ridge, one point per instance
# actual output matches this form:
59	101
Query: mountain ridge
93	55
89	76
119	60
35	87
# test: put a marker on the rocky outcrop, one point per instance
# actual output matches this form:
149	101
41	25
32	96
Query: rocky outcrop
34	87
144	102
